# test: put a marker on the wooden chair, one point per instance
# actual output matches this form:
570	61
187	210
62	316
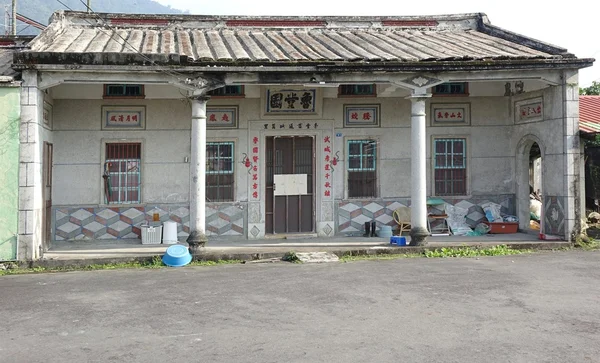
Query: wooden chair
402	218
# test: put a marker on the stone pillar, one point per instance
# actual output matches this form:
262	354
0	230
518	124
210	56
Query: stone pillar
418	196
574	186
31	203
197	236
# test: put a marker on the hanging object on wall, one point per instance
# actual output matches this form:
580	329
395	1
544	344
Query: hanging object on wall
529	110
291	100
246	162
222	117
362	115
123	117
107	183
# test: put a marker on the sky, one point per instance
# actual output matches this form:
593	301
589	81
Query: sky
572	25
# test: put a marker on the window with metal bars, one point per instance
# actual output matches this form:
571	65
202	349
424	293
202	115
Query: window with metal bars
219	171
451	88
362	168
122	175
228	91
356	90
450	166
123	91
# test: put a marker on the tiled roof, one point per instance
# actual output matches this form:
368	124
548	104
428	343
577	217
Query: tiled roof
589	114
193	40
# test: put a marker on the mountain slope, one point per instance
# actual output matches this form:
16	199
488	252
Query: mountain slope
41	10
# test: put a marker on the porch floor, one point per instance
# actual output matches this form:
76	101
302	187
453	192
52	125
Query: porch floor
99	249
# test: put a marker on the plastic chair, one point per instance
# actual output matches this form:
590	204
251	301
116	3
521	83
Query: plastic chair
402	218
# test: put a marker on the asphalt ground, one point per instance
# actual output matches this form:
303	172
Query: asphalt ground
541	307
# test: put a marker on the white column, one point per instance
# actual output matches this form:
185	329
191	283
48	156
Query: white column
418	170
31	201
573	186
198	171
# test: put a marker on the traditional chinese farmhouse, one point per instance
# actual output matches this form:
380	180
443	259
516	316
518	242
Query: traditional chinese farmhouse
249	127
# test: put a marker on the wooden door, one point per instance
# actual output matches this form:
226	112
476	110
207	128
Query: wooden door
290	213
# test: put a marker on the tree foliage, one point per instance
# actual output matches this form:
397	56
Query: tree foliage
593	90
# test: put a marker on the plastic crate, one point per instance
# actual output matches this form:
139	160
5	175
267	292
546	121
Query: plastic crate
151	235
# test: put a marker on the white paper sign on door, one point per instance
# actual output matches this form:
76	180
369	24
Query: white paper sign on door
290	184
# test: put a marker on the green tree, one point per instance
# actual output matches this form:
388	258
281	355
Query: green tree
594	89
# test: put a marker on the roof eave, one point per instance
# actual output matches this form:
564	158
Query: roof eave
496	31
49	60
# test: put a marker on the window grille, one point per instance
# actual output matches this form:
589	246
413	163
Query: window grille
122	176
454	88
227	91
362	168
219	171
123	90
357	90
450	166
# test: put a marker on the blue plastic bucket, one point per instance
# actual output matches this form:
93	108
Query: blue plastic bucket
177	256
398	240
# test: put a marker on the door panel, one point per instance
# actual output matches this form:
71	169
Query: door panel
289	213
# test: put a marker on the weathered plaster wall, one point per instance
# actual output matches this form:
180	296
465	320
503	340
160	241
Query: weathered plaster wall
558	138
9	171
166	143
490	163
491	136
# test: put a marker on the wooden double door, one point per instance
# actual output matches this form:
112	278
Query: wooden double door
290	203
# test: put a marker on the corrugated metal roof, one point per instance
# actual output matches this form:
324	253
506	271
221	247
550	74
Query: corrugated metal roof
589	114
290	40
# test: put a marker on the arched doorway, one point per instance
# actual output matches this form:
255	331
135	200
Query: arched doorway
530	185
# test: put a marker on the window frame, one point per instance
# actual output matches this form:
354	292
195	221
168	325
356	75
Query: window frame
233	172
372	85
105	94
347	170
242	93
451	94
104	142
466	160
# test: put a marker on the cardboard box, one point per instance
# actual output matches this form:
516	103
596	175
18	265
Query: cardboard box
503	227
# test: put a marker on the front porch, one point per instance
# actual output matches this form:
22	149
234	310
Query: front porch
96	251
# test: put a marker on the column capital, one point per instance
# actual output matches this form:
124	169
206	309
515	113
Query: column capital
201	98
416	96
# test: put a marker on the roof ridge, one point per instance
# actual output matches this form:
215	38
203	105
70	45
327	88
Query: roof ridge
465	20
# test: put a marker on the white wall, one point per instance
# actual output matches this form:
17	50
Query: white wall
492	139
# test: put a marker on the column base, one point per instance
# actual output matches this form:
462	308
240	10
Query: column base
418	236
196	241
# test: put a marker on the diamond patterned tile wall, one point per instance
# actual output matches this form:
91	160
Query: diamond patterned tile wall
554	215
353	214
225	219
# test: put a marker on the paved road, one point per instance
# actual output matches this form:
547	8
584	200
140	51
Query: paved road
535	308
